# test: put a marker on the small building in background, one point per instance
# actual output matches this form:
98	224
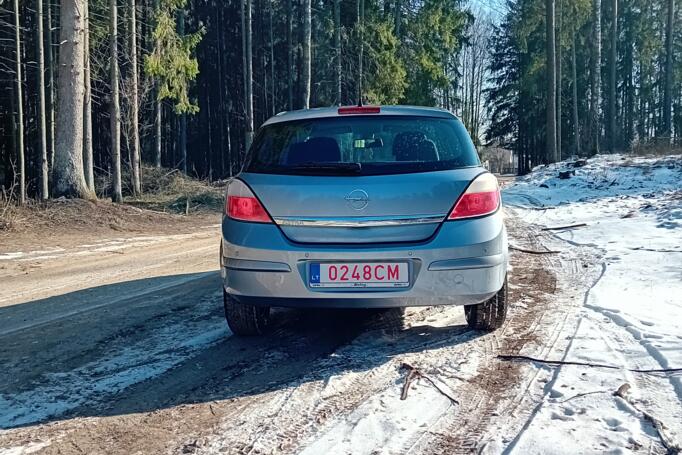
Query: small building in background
499	160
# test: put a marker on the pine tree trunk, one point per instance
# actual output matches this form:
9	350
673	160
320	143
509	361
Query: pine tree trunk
88	158
209	128
398	17
182	139
629	82
158	108
551	84
134	103
667	90
576	119
559	86
45	192
595	80
361	38
20	107
264	61
641	120
50	76
229	145
612	75
68	160
158	131
243	30
290	54
337	48
115	108
306	64
273	92
248	72
465	85
223	92
183	116
479	94
472	88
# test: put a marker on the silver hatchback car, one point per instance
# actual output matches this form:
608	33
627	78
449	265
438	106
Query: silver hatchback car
363	207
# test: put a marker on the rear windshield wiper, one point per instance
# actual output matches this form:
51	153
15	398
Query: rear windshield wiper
327	167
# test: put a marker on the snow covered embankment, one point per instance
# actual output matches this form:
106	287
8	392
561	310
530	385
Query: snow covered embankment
631	209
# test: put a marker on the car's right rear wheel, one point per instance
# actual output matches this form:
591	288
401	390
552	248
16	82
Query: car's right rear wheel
488	315
245	319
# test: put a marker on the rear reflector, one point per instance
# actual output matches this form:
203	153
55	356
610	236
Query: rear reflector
349	110
480	199
243	205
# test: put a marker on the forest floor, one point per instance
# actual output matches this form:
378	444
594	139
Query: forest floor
118	344
168	199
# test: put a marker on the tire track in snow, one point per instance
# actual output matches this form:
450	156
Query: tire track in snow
494	391
555	373
330	395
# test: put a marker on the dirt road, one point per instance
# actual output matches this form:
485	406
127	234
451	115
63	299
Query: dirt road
120	346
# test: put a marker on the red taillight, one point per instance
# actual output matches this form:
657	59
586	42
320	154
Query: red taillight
243	205
476	204
246	209
349	110
480	199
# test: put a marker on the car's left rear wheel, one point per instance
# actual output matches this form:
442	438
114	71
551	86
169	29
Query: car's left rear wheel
488	315
244	319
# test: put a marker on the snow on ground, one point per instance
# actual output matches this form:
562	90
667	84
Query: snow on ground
124	366
349	400
632	317
383	424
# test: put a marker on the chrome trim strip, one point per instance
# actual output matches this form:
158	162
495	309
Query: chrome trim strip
483	262
359	222
256	266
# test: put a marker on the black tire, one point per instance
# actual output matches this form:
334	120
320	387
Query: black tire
244	319
488	315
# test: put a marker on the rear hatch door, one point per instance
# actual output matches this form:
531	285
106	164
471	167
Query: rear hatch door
365	209
361	178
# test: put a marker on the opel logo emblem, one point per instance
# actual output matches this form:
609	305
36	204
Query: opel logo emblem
357	199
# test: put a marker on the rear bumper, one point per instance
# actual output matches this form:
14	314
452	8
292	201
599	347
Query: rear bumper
465	263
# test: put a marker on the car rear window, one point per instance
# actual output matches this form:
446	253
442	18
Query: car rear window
364	145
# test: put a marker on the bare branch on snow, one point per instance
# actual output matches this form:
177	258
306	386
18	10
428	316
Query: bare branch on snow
587	364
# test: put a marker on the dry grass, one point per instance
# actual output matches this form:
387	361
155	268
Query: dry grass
166	195
7	213
169	191
656	147
8	205
81	215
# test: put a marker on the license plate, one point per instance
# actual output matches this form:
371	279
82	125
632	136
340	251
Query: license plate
359	275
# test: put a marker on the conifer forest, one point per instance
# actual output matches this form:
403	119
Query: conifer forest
92	92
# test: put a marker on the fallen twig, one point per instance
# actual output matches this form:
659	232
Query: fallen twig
671	445
653	250
538	208
587	364
560	228
584	394
523	250
415	373
408	382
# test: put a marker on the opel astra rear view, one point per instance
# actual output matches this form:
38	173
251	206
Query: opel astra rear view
363	207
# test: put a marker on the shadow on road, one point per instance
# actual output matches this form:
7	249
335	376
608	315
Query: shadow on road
161	342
